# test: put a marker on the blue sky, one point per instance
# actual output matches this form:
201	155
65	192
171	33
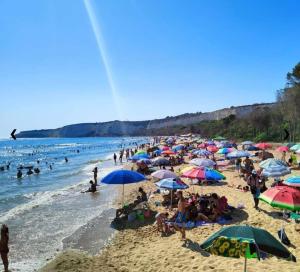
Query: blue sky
165	58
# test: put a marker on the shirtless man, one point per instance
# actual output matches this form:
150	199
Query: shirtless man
181	215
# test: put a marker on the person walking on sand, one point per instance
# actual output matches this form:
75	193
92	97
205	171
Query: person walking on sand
4	246
253	182
181	215
115	158
95	171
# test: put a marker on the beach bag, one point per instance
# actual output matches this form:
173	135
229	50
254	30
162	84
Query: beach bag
131	217
147	214
283	237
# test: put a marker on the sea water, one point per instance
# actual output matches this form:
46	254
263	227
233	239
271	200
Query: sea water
44	210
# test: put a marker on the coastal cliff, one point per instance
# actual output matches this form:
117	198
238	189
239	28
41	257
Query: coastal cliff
141	128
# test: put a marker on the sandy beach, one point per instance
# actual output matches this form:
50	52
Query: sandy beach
143	248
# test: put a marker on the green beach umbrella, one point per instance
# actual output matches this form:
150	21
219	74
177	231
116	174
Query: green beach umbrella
247	242
140	152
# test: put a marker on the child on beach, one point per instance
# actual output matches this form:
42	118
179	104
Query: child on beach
4	246
161	219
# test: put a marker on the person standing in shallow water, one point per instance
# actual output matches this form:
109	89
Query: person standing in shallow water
115	158
95	171
4	247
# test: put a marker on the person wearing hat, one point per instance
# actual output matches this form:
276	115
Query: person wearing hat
254	184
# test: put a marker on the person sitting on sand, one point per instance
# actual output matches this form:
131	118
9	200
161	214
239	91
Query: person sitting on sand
161	221
141	198
4	246
248	165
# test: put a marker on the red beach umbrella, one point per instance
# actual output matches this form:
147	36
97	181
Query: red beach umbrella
282	148
212	148
263	145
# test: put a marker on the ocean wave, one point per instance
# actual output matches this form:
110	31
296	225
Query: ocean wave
41	198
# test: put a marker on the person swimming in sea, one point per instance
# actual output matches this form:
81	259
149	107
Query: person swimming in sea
29	172
19	174
36	170
66	159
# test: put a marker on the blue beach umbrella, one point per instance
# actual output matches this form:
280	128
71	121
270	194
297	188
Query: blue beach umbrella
238	154
293	181
157	152
123	177
252	148
139	157
171	184
272	163
295	147
247	143
202	152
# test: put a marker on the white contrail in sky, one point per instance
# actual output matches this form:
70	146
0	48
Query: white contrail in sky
104	56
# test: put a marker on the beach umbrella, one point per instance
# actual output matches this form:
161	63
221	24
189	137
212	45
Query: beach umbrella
203	173
202	145
140	152
247	242
203	162
123	177
165	147
272	162
187	168
247	143
276	171
160	162
178	147
282	148
219	138
146	161
225	150
168	152
295	147
252	148
157	152
212	148
289	145
139	157
202	152
163	174
210	143
263	146
293	181
238	154
172	184
283	197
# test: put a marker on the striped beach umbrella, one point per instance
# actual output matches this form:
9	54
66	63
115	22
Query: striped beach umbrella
293	181
203	174
283	197
203	162
295	147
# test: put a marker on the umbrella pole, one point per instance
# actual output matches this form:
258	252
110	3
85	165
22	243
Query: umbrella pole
171	198
245	264
123	196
